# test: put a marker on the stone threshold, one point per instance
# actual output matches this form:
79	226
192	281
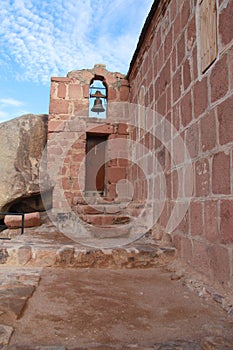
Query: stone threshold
47	249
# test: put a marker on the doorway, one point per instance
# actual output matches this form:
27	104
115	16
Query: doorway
95	163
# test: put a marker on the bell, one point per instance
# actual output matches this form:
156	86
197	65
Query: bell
98	107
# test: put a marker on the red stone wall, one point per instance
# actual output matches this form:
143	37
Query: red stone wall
68	127
200	107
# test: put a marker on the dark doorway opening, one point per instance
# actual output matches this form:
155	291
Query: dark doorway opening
95	163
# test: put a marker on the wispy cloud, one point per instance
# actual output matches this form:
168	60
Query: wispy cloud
10	102
45	38
11	108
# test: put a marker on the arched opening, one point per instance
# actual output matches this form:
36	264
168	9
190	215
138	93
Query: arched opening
98	98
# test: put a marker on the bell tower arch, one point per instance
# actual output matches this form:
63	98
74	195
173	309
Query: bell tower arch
98	94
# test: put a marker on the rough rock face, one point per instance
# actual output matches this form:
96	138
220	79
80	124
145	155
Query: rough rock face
22	141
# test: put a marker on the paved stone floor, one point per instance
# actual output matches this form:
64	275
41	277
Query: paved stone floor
67	308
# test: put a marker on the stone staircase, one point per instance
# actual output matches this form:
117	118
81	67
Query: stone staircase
109	239
106	218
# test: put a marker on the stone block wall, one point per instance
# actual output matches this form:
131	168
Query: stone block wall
68	127
200	108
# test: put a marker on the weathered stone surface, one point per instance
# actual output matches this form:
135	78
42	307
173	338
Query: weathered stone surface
30	220
24	255
23	347
22	141
3	255
5	334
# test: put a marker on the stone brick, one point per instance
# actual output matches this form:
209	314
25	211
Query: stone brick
192	140
219	79
123	162
176	116
178	151
194	63
174	60
225	119
61	79
30	220
100	129
174	180
57	151
221	174
59	107
163	219
220	264
168	99
78	157
187	249
112	95
111	191
151	95
186	74
80	108
202	177
186	109
168	45
200	97
165	77
176	85
86	89
191	33
225	23
122	129
75	91
61	93
181	49
67	183
226	221
184	225
185	13
196	218
124	93
116	174
161	105
211	220
55	125
173	10
201	258
176	27
208	131
168	185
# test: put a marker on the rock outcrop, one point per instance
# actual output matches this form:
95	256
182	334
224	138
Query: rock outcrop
22	142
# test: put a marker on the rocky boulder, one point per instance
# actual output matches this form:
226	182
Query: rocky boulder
22	142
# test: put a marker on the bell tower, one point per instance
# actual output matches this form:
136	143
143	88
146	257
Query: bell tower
81	123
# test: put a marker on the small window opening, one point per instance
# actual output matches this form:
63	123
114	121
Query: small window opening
98	99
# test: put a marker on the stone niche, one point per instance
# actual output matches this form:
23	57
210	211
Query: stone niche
86	155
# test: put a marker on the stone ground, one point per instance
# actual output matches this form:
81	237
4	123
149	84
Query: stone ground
67	308
50	299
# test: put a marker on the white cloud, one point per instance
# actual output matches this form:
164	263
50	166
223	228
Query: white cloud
40	38
10	102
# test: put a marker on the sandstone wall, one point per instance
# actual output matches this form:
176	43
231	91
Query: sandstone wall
200	107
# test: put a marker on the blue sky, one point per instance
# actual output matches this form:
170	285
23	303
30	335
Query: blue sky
44	38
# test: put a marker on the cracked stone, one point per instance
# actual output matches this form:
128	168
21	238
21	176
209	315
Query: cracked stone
5	334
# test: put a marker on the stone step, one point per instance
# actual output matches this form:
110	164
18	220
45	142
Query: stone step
46	249
103	219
